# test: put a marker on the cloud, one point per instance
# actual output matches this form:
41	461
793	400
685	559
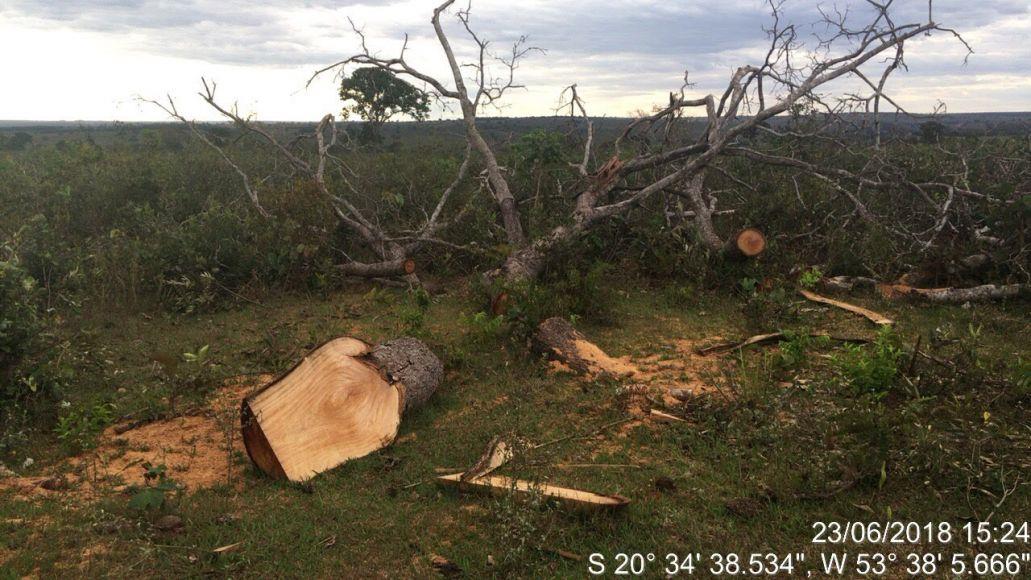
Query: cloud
619	51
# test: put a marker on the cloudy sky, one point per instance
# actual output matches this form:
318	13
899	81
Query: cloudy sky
90	59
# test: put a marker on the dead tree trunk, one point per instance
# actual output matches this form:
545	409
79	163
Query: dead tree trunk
401	267
983	293
344	400
769	88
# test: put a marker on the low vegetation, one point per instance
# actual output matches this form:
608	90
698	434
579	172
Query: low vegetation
151	276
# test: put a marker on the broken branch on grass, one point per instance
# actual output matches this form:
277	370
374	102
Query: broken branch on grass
724	347
864	312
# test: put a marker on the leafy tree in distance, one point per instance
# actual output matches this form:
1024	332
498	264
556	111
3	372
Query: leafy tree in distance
377	95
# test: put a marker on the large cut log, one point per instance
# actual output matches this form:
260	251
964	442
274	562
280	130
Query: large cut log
559	341
747	243
983	293
344	400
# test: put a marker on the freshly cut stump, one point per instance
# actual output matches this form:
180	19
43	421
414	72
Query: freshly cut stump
748	243
559	341
344	400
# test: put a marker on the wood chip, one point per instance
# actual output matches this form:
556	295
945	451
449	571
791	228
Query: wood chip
666	417
228	548
569	498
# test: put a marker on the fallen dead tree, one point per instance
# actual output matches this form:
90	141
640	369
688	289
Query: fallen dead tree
654	158
948	295
874	317
985	293
344	400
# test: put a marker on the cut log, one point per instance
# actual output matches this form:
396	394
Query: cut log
983	293
748	243
869	314
558	340
386	269
344	400
499	485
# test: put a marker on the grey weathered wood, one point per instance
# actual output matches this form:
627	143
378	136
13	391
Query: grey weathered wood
411	363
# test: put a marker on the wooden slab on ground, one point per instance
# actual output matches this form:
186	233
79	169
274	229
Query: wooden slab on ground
874	317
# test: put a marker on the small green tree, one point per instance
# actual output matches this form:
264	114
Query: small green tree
377	95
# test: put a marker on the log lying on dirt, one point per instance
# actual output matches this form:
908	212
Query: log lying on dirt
571	498
558	340
869	314
983	293
344	400
748	243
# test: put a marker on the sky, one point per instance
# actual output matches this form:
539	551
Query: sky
94	59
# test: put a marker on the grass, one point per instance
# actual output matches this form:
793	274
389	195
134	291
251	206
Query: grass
739	481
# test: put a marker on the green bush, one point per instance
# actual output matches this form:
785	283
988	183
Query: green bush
872	368
19	318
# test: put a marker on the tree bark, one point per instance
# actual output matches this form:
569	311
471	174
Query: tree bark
983	293
386	269
410	363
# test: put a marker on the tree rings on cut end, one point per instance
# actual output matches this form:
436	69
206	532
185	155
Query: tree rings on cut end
750	242
408	266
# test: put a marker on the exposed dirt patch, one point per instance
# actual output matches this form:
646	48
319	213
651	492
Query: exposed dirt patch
680	367
197	449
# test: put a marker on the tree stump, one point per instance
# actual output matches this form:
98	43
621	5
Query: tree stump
344	400
559	341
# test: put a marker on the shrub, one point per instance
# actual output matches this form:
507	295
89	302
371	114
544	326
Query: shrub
78	428
872	368
19	319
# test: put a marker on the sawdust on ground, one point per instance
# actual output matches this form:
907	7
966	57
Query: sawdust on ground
199	450
683	368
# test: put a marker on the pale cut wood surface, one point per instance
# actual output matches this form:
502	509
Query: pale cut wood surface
331	408
869	314
499	485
